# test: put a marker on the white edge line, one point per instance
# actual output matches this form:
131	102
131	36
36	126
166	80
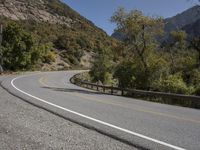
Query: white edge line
96	120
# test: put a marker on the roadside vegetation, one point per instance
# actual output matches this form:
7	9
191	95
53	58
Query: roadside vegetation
28	45
142	61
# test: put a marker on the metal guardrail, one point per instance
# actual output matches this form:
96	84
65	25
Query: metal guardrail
169	98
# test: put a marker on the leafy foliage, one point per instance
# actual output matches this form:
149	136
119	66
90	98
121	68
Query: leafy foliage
173	84
102	67
20	50
17	47
124	72
141	62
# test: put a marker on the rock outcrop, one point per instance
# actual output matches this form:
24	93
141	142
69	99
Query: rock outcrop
36	10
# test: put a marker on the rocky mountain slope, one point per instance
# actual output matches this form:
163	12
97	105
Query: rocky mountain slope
20	10
187	17
193	29
52	21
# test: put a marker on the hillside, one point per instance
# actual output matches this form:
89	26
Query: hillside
193	29
74	38
187	17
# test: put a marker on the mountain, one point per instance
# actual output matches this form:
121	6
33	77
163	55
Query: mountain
193	29
75	39
187	20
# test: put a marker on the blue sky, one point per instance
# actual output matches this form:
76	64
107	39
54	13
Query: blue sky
100	11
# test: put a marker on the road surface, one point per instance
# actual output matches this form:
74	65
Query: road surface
26	127
140	123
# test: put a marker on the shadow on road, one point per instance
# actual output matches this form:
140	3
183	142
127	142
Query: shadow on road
82	91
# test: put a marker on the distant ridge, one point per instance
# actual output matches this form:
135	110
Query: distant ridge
187	17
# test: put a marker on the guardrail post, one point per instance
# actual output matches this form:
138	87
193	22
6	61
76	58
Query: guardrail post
104	89
122	92
111	89
97	87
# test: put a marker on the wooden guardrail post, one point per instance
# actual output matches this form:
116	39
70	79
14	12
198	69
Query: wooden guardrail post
97	87
111	89
122	92
104	89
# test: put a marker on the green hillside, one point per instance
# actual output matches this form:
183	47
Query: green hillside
69	35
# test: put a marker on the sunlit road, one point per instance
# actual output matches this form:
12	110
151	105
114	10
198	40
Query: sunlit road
144	124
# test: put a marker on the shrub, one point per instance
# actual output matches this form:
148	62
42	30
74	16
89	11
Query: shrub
195	77
197	91
124	72
173	84
73	60
49	57
102	67
17	45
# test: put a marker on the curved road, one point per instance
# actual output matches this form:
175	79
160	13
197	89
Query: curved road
140	123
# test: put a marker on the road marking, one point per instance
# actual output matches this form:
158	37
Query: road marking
96	120
43	81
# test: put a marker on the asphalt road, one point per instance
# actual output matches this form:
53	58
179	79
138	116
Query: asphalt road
26	127
140	123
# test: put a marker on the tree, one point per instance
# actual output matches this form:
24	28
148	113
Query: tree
102	67
141	33
21	51
178	39
17	47
176	48
196	45
124	72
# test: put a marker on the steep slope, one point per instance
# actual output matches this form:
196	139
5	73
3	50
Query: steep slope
193	29
119	36
185	18
51	21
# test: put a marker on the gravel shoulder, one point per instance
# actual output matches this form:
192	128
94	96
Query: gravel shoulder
26	127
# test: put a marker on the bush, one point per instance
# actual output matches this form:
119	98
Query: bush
17	45
49	57
194	80
195	77
73	60
124	72
78	54
173	84
197	91
102	68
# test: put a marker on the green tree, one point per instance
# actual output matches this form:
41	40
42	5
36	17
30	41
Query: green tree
17	47
140	32
22	51
102	67
124	72
176	47
195	44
